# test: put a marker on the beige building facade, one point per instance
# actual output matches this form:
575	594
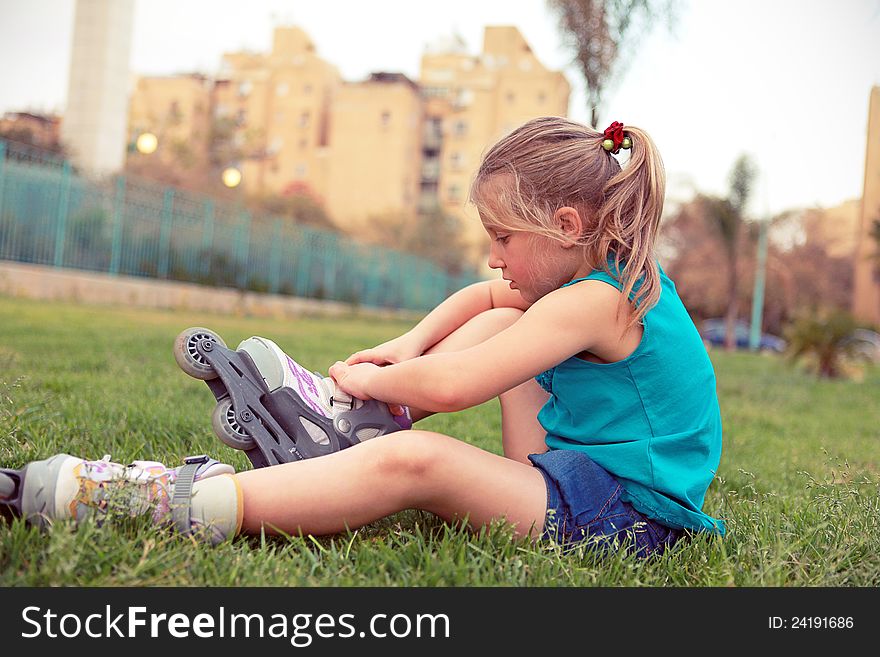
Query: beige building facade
471	102
374	158
279	105
866	292
837	227
178	111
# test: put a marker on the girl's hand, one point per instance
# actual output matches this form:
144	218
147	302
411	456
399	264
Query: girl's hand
353	379
394	351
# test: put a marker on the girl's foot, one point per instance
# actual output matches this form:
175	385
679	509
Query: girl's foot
195	498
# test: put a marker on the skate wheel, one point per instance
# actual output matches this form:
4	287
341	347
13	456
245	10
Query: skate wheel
7	486
187	355
227	428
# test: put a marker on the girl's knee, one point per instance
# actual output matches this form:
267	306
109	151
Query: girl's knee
499	318
408	455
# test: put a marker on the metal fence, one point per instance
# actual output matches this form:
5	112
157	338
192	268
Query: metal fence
51	215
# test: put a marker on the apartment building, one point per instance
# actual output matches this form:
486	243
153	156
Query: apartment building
278	105
866	289
36	129
470	102
374	158
382	146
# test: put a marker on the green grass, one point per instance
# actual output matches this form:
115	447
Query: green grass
798	482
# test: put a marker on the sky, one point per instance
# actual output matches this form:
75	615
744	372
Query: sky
786	82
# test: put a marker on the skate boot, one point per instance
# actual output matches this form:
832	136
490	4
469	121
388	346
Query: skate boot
193	498
274	409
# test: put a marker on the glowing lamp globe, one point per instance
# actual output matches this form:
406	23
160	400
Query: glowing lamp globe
147	143
231	177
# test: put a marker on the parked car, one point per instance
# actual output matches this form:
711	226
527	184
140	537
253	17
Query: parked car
713	332
866	344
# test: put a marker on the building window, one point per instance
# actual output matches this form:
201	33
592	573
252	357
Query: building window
463	98
304	119
453	193
299	171
456	160
435	92
307	89
175	116
542	97
459	128
511	97
245	87
386	119
281	89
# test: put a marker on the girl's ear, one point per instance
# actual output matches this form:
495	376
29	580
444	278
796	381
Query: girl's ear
569	221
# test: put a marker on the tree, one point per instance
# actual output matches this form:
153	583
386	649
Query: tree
727	216
604	35
435	236
801	275
297	202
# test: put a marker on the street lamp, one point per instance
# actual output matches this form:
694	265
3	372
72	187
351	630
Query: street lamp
231	177
147	143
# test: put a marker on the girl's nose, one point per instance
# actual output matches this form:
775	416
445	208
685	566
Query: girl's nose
494	261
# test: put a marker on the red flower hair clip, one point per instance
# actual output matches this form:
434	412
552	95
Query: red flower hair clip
615	139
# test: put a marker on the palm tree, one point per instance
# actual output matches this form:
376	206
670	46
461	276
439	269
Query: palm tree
727	215
823	338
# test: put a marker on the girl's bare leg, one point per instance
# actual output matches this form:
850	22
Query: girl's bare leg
413	469
402	470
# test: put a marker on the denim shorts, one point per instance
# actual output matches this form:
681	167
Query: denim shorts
584	504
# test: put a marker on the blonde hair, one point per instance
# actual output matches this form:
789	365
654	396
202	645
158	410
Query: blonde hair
552	162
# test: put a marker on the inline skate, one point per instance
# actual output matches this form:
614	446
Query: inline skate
271	407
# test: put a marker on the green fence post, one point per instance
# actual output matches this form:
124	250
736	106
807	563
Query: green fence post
330	270
275	259
61	215
2	173
244	247
165	233
207	240
118	210
304	260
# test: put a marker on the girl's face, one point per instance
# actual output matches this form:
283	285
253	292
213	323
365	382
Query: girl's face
527	261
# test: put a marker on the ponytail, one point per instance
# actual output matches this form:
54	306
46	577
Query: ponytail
627	222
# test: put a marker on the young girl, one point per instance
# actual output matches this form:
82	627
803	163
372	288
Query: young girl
610	421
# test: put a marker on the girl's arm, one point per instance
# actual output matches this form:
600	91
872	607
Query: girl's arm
561	324
443	320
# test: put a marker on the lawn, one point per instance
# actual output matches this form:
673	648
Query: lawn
798	481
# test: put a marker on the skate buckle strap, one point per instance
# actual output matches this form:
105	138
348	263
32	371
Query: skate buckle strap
181	501
346	403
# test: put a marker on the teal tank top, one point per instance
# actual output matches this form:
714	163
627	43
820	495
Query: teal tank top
651	420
